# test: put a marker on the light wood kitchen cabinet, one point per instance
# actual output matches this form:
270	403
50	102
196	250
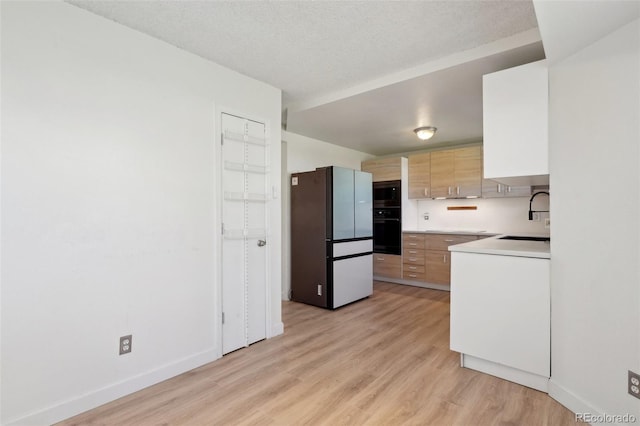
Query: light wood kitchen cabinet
437	257
387	265
426	259
383	169
442	169
456	173
413	257
494	189
420	175
438	267
468	172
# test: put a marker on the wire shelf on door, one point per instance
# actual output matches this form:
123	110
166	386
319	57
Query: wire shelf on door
241	234
246	196
239	137
245	167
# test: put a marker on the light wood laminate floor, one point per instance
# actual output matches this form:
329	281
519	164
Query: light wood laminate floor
381	361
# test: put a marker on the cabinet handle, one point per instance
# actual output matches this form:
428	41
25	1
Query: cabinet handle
457	190
508	189
413	268
444	258
449	190
499	188
412	275
413	236
381	259
426	192
448	241
412	259
412	244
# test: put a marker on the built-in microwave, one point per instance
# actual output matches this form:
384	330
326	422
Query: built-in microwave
387	194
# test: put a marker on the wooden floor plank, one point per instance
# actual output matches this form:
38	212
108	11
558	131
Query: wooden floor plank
381	361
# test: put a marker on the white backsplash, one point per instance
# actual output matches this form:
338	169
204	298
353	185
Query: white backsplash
497	215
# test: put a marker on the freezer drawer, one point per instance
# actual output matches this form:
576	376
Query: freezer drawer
352	279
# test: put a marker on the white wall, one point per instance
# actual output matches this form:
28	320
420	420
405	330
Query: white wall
305	154
595	250
109	208
496	215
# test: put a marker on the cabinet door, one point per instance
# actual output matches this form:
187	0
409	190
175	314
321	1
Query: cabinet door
420	175
384	169
492	189
517	191
468	172
343	204
438	267
363	193
515	121
387	265
442	173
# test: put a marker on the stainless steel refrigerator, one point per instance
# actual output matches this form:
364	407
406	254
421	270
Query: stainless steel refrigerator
331	236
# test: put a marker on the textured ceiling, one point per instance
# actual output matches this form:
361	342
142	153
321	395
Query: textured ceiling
361	74
310	48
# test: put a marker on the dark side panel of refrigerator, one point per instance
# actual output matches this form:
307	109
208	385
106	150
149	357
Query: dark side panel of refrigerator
309	224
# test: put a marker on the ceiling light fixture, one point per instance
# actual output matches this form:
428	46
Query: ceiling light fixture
425	133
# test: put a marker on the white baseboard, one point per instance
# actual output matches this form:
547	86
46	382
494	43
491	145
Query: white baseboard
112	392
515	375
413	283
277	329
570	400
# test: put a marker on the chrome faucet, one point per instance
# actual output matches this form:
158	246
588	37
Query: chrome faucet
531	212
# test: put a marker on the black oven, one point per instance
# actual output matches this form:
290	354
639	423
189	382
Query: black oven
387	194
387	230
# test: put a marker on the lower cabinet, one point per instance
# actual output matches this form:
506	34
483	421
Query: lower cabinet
426	259
387	265
438	267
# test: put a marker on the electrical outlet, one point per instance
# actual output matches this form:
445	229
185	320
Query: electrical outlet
547	223
536	217
125	344
426	216
634	384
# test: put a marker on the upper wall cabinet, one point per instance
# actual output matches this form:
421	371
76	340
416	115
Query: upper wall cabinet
495	189
384	168
515	120
456	173
420	175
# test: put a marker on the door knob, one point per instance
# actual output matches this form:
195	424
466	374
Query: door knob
262	243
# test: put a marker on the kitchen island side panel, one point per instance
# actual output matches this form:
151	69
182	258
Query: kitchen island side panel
500	310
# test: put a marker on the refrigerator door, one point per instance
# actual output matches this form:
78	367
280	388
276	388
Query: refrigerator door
363	194
343	204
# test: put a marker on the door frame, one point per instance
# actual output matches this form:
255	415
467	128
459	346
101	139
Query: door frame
218	239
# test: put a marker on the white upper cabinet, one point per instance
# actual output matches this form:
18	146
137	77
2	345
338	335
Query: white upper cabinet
515	121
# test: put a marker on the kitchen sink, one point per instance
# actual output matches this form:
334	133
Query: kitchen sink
521	238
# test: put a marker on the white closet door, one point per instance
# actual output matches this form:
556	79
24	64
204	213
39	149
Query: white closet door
244	218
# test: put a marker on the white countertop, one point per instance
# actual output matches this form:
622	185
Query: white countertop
494	245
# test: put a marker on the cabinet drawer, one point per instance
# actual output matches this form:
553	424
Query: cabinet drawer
414	276
443	241
413	241
412	252
413	259
412	269
387	265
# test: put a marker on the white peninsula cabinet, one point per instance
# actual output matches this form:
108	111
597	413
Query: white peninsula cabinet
515	105
500	309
